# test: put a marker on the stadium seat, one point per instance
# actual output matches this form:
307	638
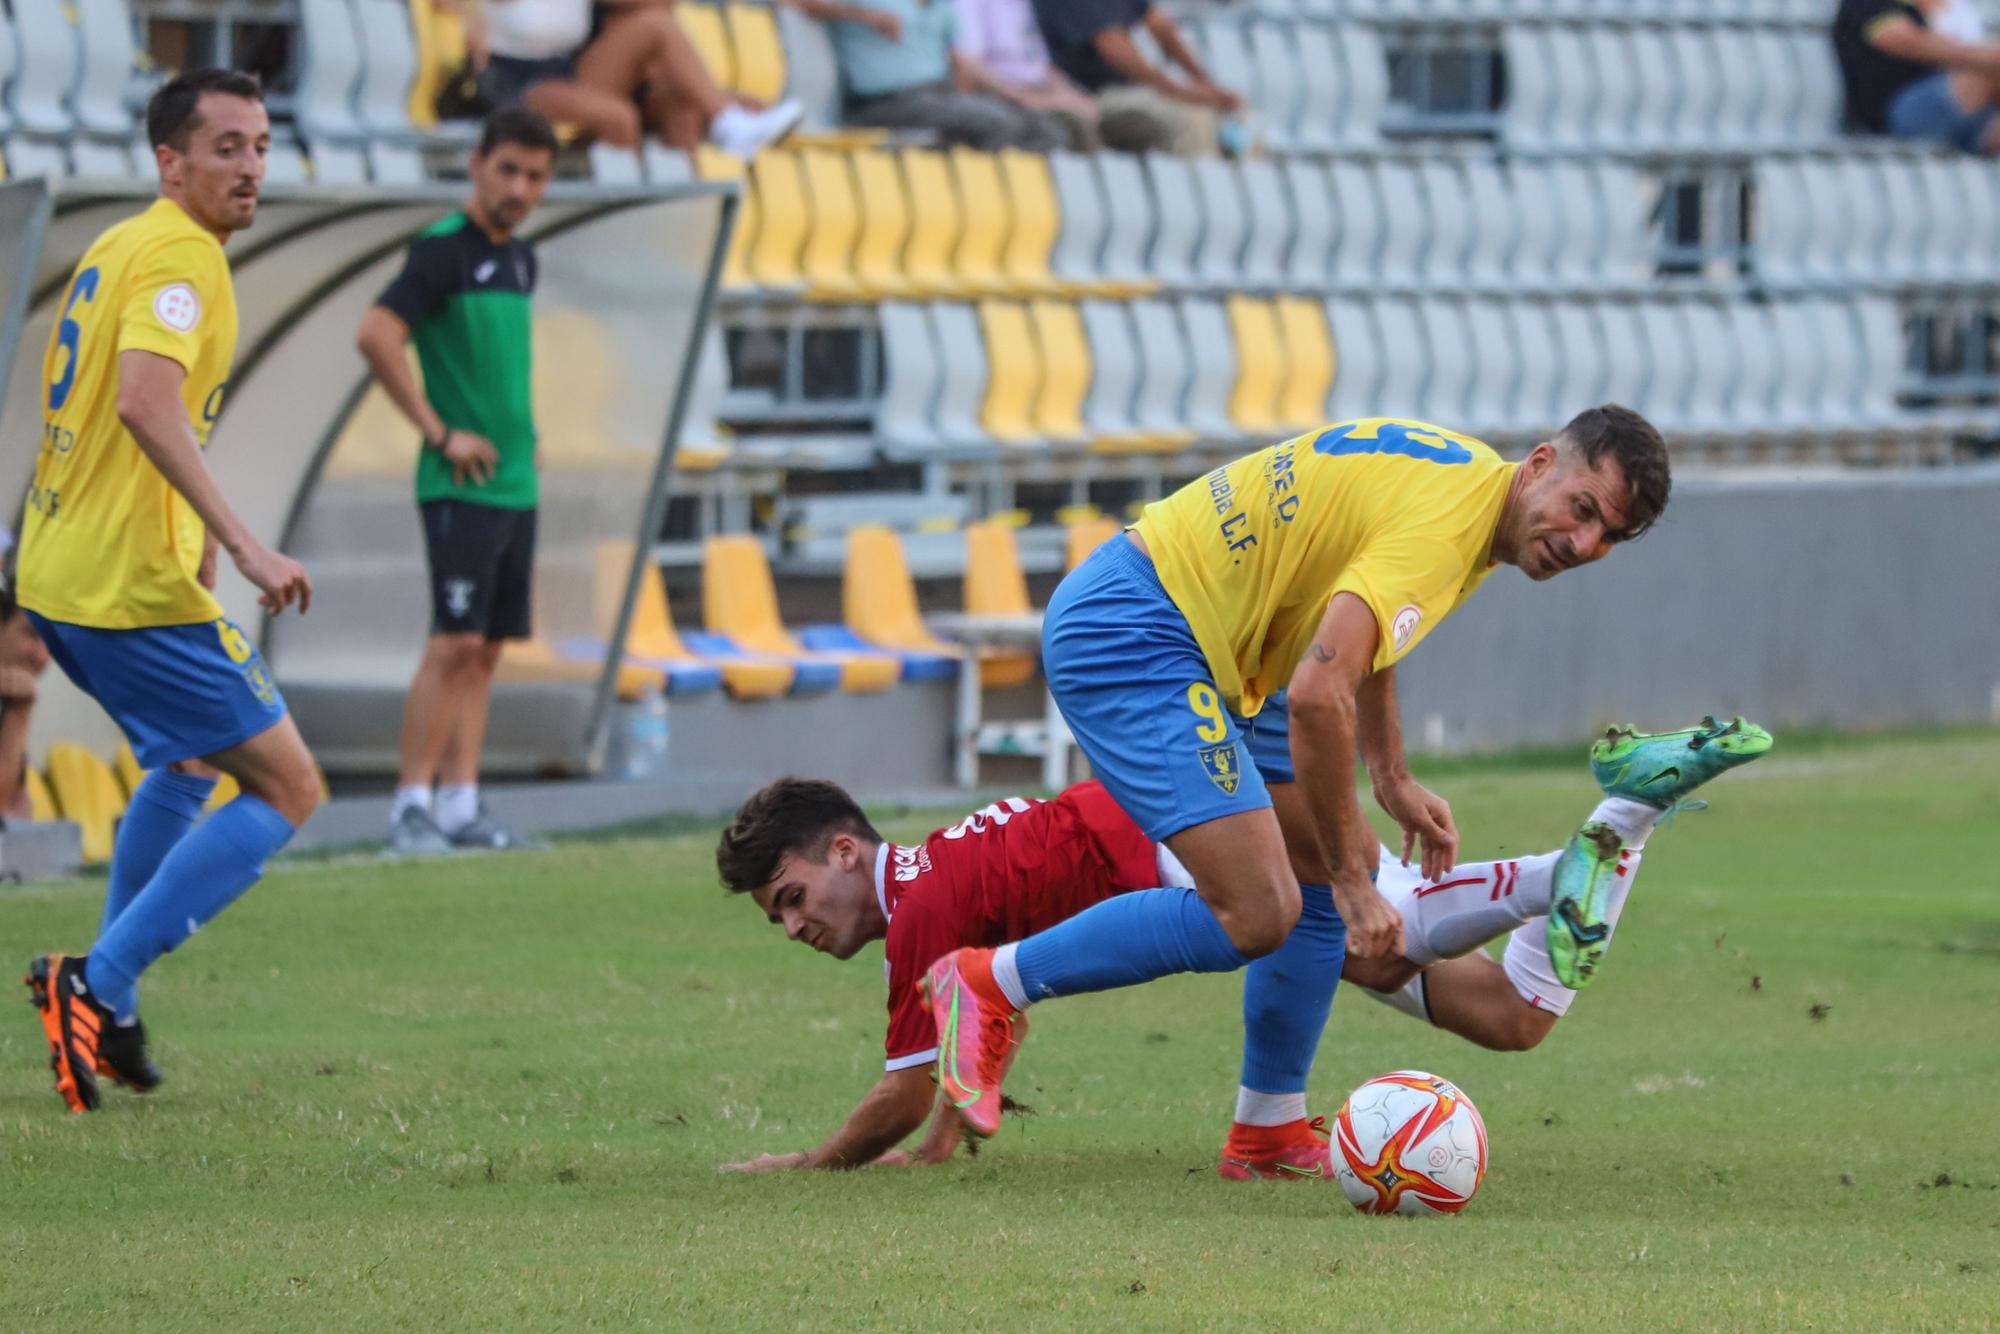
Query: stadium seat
715	165
935	224
773	260
739	601
812	74
1037	221
1212	370
1309	255
1130	221
1261	369
87	794
1013	374
389	69
41	802
827	260
1159	411
1488	201
439	36
885	226
45	71
1078	260
879	605
1178	219
1268	226
538	662
1278	81
1364	76
1488	408
1583	364
708	33
651	641
330	68
910	381
1453	360
1449	238
1218	256
961	397
1358	360
1113	378
1405	360
104	34
759	52
1352	197
1625	349
1064	356
978	260
1308	361
996	585
1535	408
1316	123
1087	535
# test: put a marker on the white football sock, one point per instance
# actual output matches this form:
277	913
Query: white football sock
415	794
1526	958
1633	820
1473	904
1411	999
1269	1109
1007	973
457	806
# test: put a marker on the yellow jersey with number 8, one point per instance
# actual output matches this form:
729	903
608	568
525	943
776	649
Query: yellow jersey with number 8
105	541
1399	513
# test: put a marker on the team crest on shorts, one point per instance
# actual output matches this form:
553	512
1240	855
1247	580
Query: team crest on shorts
260	685
1224	766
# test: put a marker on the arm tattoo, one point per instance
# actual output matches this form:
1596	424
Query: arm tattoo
1318	654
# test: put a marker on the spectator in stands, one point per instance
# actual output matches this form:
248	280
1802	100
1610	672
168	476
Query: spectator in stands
1911	71
463	299
1141	106
23	659
901	70
1003	36
632	70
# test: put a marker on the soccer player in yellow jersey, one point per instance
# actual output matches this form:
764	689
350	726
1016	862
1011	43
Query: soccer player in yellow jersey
1308	568
118	550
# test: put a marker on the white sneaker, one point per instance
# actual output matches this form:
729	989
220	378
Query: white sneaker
739	130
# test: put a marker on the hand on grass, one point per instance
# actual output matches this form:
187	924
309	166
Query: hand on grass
768	1162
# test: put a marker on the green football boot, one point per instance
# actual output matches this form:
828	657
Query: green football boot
1661	768
1578	934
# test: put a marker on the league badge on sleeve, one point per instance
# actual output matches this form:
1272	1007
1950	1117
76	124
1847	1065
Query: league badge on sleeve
1405	625
1223	765
177	307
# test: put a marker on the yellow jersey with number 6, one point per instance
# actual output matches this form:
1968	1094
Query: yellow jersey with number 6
105	541
1399	513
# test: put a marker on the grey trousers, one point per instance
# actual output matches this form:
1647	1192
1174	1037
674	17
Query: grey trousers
975	120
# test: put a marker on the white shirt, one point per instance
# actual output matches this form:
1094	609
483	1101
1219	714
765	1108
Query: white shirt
1959	19
537	29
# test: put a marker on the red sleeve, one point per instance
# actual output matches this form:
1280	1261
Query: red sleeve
918	937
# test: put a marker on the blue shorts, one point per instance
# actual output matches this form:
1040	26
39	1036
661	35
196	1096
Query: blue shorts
1137	693
178	692
1927	110
1268	737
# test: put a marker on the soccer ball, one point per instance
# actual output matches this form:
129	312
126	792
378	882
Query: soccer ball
1409	1143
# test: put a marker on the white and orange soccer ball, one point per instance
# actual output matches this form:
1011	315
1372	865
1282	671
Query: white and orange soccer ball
1409	1143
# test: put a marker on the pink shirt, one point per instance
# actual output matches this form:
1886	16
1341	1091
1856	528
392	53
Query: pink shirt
1003	36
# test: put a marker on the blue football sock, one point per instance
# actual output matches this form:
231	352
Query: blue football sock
1129	938
206	873
165	806
1288	994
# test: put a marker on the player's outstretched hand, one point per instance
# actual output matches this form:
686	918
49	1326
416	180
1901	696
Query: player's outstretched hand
768	1162
280	580
1425	816
1374	927
470	456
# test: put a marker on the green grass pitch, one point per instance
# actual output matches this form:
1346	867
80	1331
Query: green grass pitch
493	1093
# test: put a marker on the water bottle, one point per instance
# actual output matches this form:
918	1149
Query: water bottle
645	750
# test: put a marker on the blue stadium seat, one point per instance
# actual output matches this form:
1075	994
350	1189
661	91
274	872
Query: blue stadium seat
916	665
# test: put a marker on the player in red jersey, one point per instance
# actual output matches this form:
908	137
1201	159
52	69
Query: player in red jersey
805	852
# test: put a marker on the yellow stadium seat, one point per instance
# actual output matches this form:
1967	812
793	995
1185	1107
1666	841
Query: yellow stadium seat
652	635
125	767
440	49
41	802
1308	360
740	599
878	598
982	237
783	216
885	226
704	27
1013	373
760	55
1066	370
535	662
712	164
1037	216
935	221
86	793
995	585
1260	367
828	259
1087	535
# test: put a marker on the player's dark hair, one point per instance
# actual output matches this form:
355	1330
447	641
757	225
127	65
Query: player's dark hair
791	817
174	113
516	125
1642	457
